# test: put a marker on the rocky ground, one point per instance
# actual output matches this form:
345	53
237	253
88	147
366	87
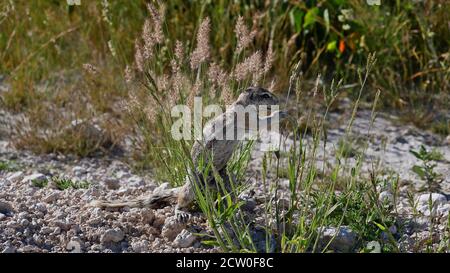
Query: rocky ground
47	219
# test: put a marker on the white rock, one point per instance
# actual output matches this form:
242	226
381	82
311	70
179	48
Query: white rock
184	239
16	176
24	222
112	236
41	207
172	228
443	210
5	207
386	198
74	245
9	249
52	197
78	170
122	174
438	200
344	239
140	246
135	181
374	247
2	216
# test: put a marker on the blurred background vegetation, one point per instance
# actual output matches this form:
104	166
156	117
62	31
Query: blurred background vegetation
44	44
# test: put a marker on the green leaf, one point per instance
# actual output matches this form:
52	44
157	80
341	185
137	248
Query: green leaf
419	171
380	226
331	46
210	243
296	17
310	17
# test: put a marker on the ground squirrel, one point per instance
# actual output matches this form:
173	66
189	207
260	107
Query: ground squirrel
219	150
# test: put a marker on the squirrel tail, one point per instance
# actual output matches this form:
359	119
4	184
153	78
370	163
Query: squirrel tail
153	201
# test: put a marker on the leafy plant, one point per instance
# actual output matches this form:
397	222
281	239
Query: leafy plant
426	171
62	183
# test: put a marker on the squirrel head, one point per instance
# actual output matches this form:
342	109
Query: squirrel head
257	96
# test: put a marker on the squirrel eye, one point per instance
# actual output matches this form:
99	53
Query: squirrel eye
266	96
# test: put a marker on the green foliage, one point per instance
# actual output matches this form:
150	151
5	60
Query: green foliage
8	166
62	183
426	171
39	183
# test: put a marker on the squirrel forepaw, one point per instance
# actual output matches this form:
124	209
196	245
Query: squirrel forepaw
182	216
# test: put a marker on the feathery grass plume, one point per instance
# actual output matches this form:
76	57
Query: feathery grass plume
138	56
243	35
132	103
128	74
269	58
251	66
105	12
90	69
316	85
176	82
157	18
150	112
227	95
179	51
217	75
194	92
147	37
162	82
202	51
272	85
112	49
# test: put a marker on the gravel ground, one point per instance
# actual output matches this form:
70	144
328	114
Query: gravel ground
34	219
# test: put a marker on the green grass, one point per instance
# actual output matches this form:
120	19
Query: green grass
8	166
39	183
61	183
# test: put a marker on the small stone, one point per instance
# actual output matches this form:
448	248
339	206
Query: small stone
386	197
24	222
344	239
112	235
15	176
5	207
373	247
26	248
438	200
52	197
95	221
135	181
46	230
122	174
184	239
172	227
2	216
78	170
112	184
41	207
74	245
140	246
9	249
147	215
